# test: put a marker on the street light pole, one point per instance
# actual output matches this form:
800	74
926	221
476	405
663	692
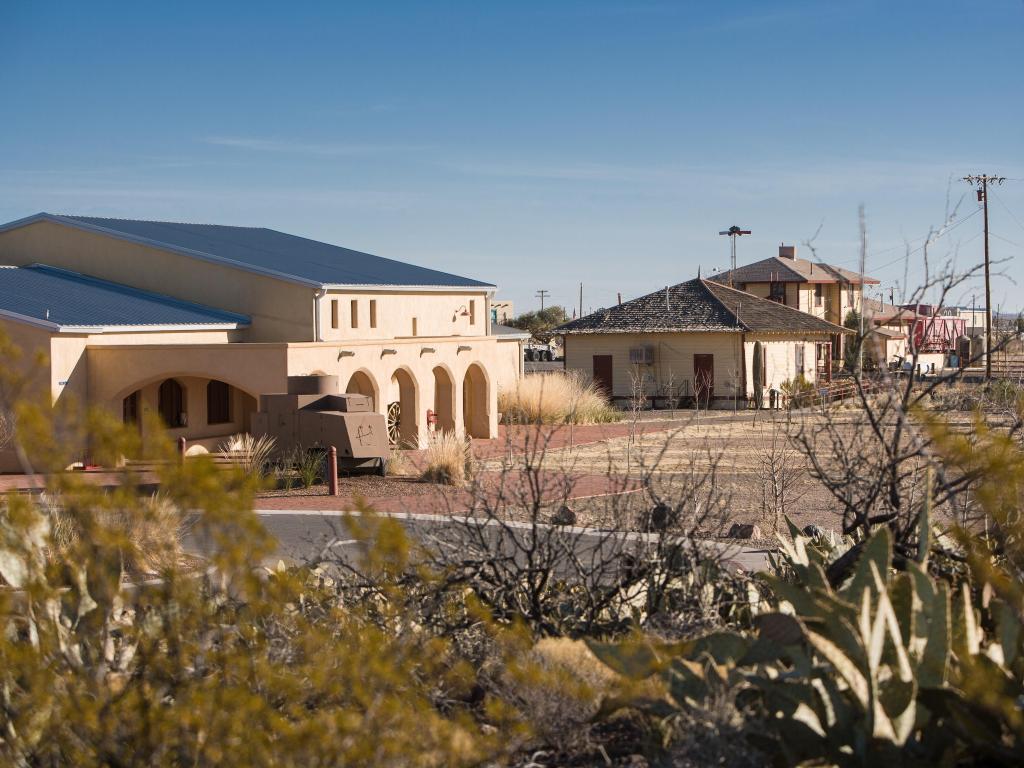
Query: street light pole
733	232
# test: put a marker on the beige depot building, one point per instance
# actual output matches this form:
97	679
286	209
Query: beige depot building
195	321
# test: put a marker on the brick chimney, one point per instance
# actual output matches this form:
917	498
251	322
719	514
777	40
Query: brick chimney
787	252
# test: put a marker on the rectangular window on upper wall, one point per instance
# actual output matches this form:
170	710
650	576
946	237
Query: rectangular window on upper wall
355	313
334	313
472	312
777	292
819	293
414	326
373	313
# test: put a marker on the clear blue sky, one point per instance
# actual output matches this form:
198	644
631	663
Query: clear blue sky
531	144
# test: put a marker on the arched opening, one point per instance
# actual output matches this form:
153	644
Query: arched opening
474	403
362	384
402	428
130	408
171	404
219	395
444	400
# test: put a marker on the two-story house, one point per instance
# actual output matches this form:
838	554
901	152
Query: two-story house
194	321
825	291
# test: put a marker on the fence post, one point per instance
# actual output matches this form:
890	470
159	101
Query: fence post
182	448
332	471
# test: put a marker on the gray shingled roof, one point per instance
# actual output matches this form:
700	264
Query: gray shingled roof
61	298
786	270
506	330
266	251
699	305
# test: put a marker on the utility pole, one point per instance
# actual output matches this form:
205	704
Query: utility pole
542	293
733	232
581	299
982	181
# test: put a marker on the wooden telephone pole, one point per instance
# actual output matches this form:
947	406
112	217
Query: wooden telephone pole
542	294
982	181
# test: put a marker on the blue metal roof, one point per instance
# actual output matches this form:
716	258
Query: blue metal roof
269	252
69	299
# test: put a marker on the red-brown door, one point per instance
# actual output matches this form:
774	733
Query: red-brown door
603	373
704	379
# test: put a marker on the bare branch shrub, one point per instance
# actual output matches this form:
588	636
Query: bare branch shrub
780	473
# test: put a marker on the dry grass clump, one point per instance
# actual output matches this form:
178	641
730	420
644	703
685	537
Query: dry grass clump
555	398
447	459
148	538
396	463
559	690
250	454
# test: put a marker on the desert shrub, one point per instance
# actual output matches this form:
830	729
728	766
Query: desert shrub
278	668
559	692
798	391
396	463
999	396
555	398
310	464
903	662
149	538
6	428
251	454
447	459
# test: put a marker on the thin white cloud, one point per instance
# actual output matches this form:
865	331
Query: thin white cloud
287	146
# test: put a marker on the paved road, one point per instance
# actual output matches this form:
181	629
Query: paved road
543	366
302	535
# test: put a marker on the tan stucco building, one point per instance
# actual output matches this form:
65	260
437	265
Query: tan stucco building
819	289
696	340
194	322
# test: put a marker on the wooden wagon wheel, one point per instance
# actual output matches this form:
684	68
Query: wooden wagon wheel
394	422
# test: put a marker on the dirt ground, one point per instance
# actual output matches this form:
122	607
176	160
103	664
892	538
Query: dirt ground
675	456
734	446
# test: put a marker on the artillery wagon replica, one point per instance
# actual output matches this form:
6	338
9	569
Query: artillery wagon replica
313	413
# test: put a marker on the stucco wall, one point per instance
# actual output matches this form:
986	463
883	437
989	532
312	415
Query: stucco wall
780	359
34	344
280	310
499	362
673	357
198	429
117	370
437	314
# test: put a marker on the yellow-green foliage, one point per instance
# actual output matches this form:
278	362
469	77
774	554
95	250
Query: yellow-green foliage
554	398
233	666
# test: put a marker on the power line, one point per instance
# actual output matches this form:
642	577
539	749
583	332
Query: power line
1006	240
1007	208
945	232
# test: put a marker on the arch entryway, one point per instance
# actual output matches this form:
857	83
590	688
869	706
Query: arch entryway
202	409
444	399
362	383
475	411
171	403
402	426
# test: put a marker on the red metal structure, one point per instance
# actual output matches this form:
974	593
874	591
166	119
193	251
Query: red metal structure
932	332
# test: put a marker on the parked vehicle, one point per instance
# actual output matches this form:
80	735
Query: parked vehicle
535	351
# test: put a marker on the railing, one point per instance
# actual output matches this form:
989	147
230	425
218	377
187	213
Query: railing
833	392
